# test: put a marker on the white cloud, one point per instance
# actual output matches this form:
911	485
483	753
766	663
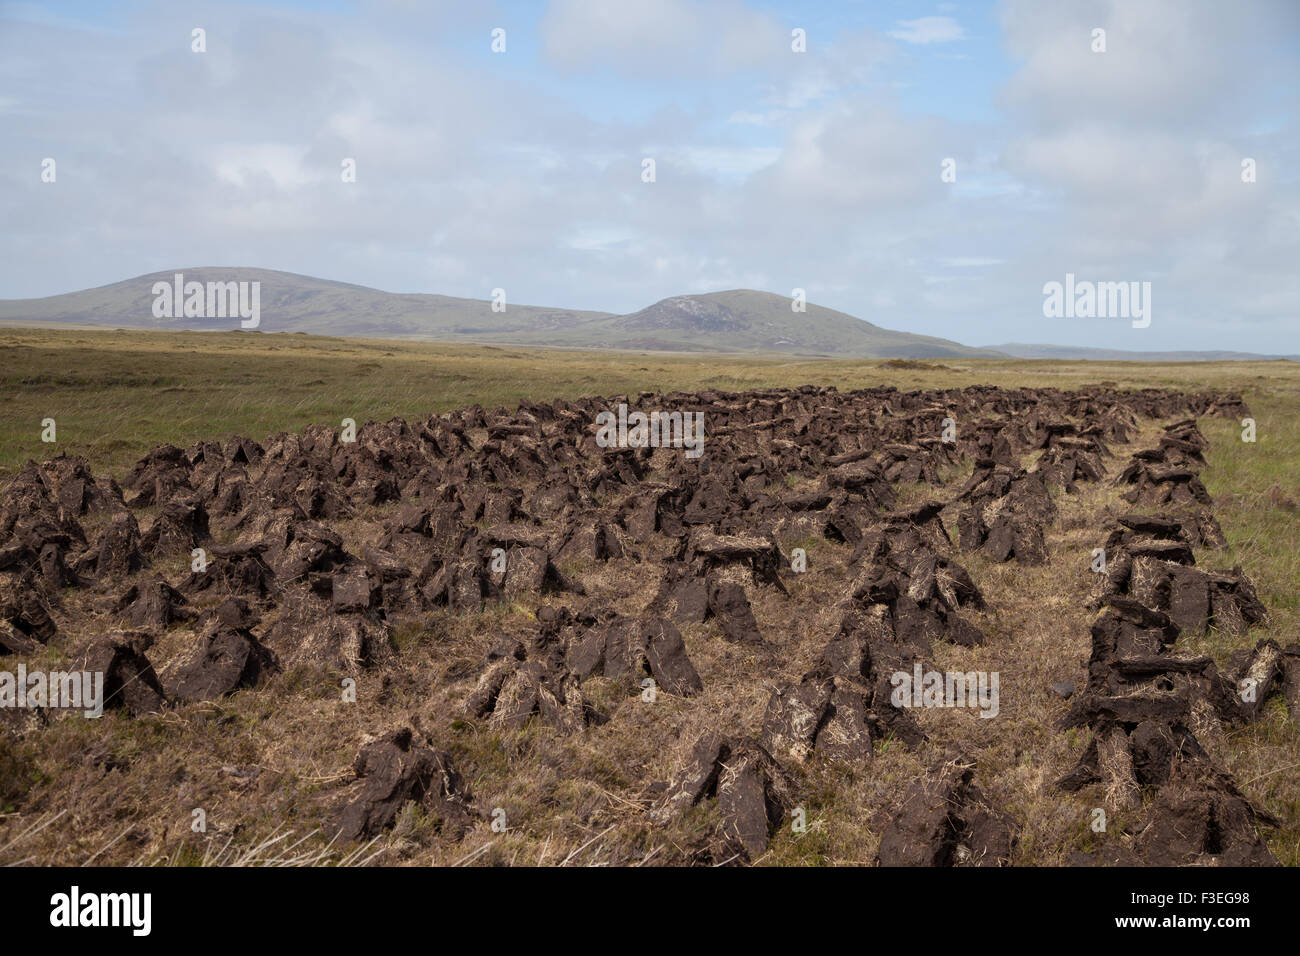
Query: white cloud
971	262
740	117
925	30
665	37
599	239
278	164
856	155
731	162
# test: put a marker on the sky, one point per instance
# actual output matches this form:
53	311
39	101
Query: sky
775	169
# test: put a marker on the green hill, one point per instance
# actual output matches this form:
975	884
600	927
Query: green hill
745	320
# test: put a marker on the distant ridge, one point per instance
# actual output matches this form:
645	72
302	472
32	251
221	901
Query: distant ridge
737	321
740	320
297	303
1017	350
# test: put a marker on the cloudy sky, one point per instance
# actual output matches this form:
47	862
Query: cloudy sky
775	169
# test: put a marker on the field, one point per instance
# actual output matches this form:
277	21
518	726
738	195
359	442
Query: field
267	760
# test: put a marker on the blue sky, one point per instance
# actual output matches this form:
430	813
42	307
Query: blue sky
775	170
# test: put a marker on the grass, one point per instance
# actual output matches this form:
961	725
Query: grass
266	762
114	395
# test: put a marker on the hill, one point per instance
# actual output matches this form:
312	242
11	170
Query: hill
736	321
297	303
749	321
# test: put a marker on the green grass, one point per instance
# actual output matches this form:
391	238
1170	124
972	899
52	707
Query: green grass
114	395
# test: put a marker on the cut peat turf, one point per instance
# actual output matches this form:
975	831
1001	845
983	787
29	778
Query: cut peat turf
835	637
